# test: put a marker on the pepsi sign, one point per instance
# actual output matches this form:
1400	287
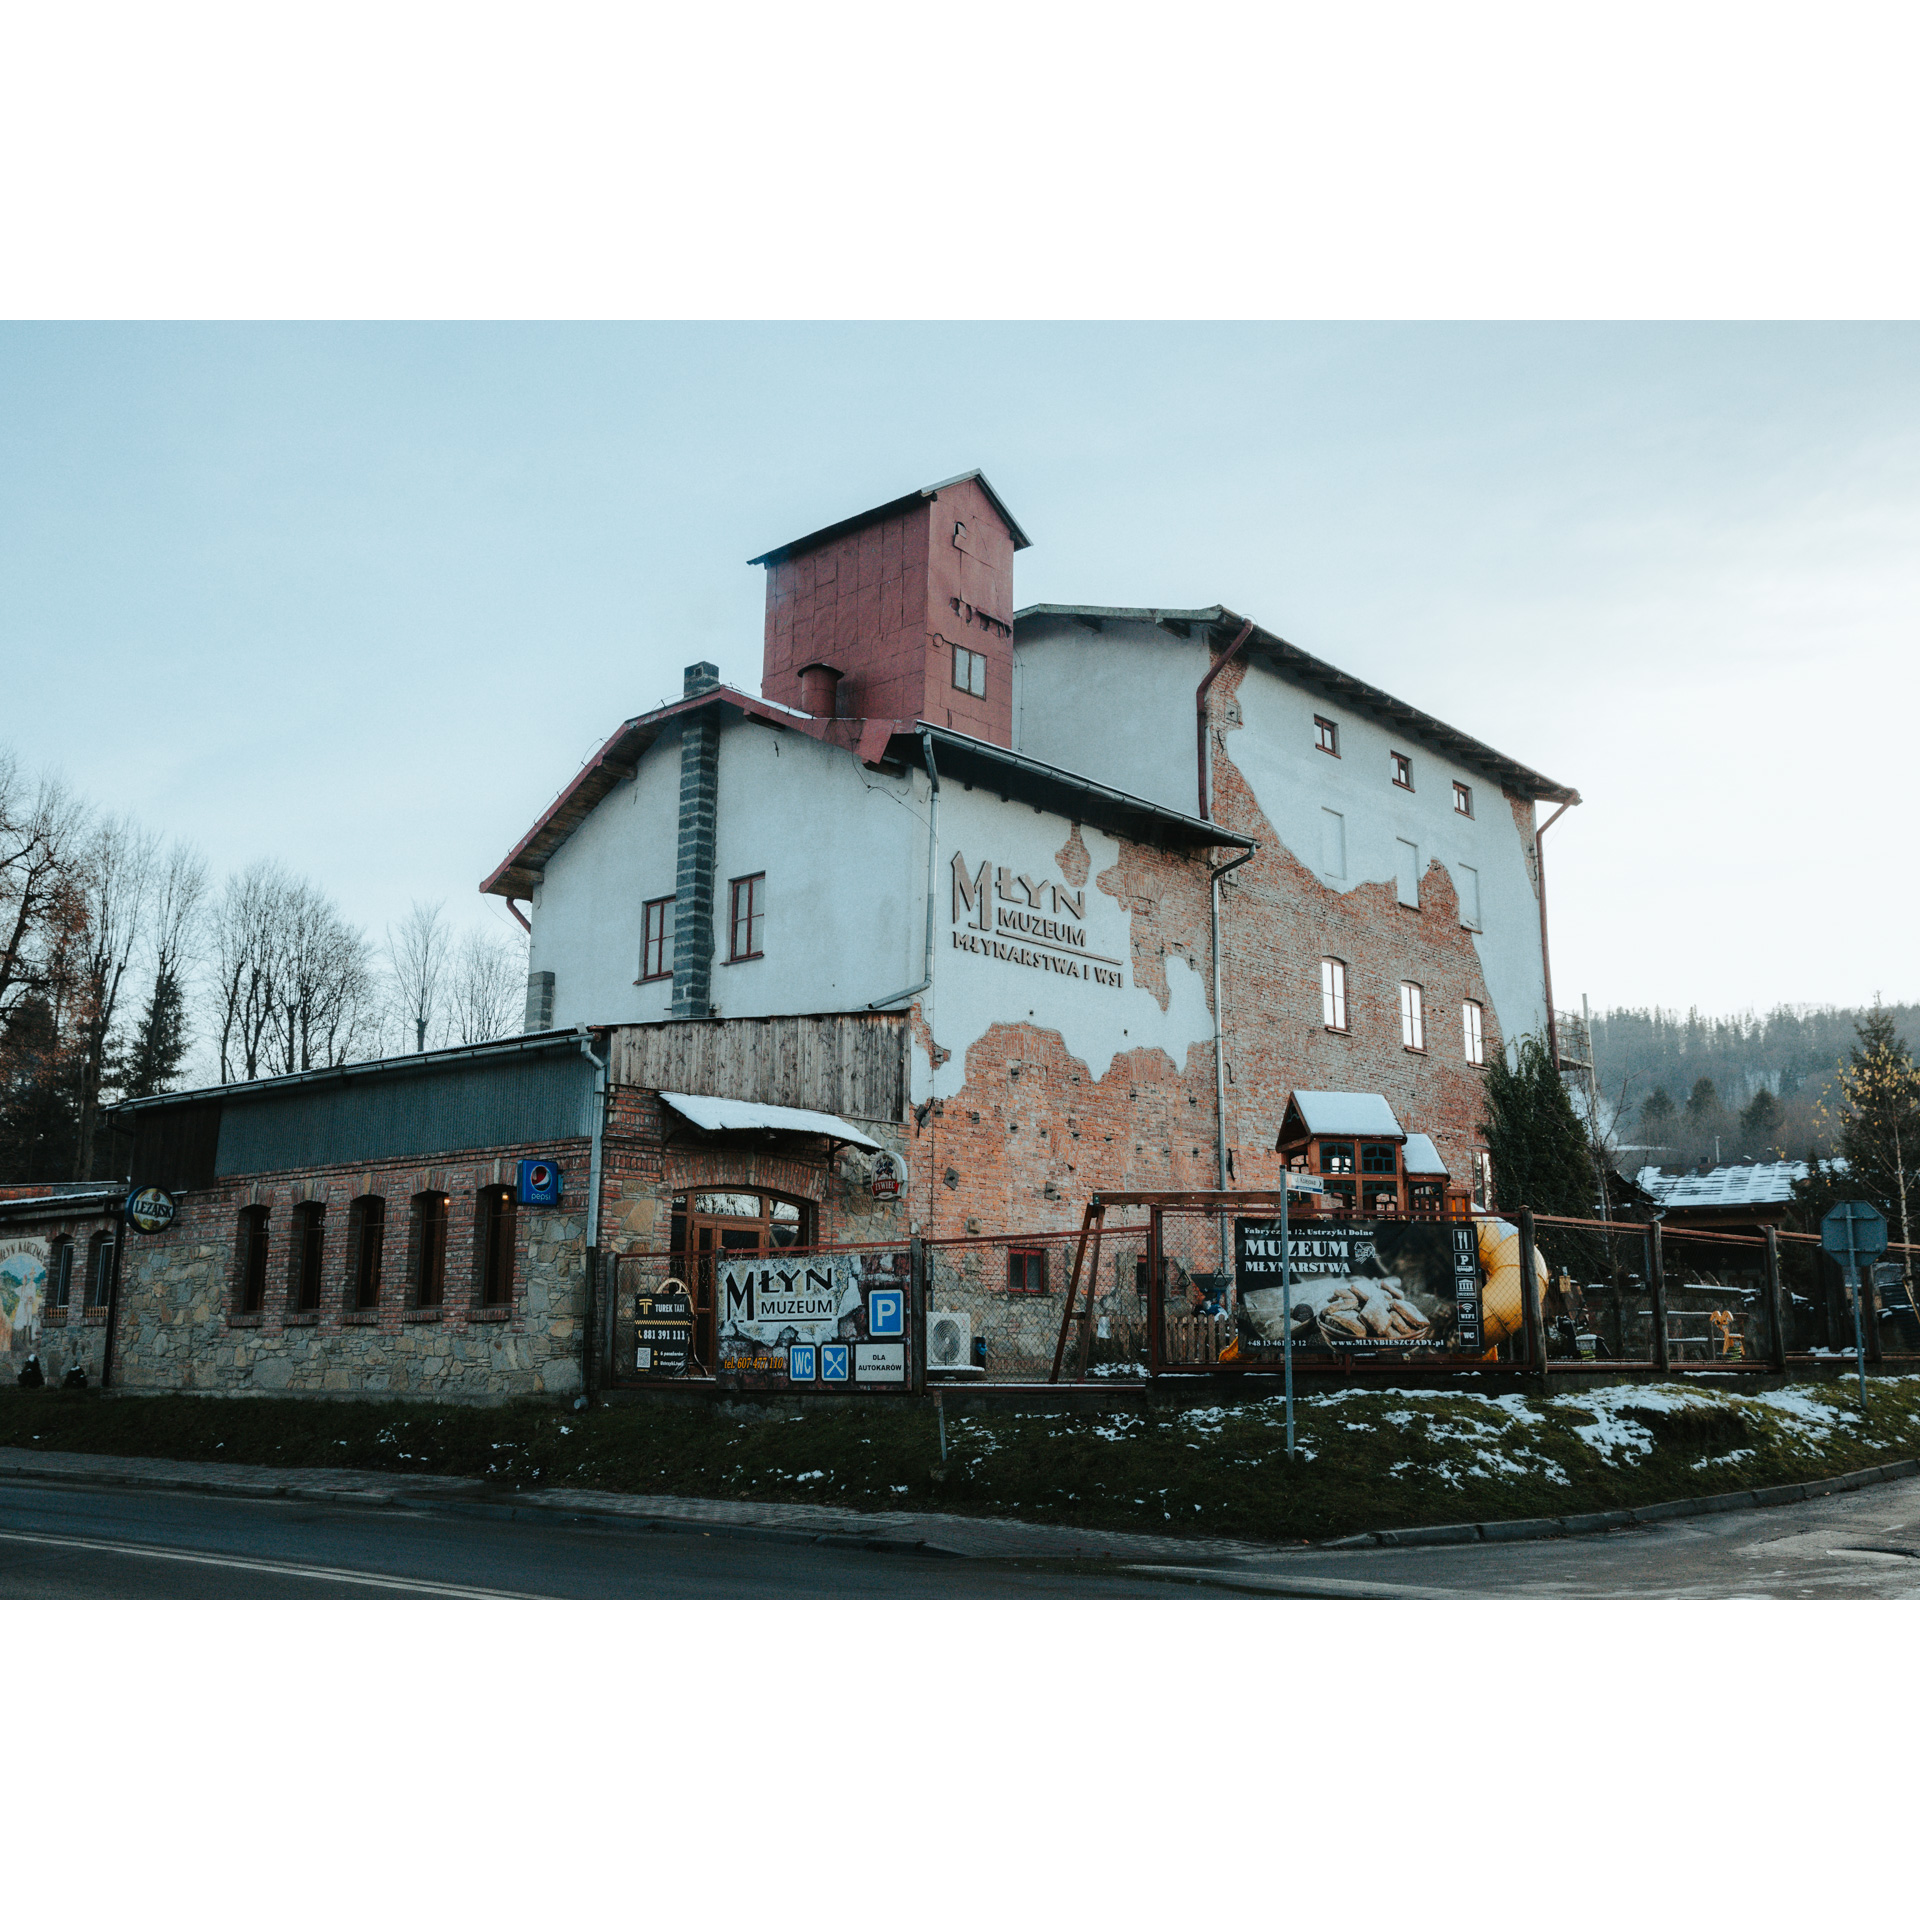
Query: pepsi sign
539	1183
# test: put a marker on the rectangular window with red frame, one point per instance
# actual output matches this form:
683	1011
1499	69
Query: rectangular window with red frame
747	913
656	940
1026	1269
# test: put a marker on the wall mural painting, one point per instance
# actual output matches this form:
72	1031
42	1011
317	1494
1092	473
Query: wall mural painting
23	1289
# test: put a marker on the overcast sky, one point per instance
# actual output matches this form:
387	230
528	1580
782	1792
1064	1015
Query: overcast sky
363	597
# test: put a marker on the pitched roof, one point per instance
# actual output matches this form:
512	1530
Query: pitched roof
874	515
1299	665
1323	1111
1420	1155
1768	1183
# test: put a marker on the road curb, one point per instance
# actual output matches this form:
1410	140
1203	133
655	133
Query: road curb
1563	1525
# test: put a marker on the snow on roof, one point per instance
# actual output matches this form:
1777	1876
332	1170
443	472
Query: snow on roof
1333	1112
1420	1155
736	1116
1767	1184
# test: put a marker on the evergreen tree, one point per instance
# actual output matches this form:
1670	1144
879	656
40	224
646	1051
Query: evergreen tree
1703	1104
1541	1155
152	1064
1759	1123
1656	1118
1877	1107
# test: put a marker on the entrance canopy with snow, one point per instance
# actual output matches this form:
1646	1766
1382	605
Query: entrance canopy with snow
713	1115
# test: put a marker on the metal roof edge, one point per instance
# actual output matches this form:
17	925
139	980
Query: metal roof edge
872	516
1409	719
1198	829
555	1038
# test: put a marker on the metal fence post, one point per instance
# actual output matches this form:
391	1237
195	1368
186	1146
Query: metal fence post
1870	1311
917	1282
1778	1313
1657	1295
1156	1306
1530	1298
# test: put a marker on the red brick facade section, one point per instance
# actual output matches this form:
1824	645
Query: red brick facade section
887	603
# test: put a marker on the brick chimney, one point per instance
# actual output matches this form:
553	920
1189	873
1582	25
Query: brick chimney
911	604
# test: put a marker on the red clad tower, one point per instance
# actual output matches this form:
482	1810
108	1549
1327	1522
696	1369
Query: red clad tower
910	605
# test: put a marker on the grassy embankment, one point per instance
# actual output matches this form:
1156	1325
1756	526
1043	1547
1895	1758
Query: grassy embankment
1368	1458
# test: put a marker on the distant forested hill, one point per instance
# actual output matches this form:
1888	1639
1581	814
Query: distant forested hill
1791	1052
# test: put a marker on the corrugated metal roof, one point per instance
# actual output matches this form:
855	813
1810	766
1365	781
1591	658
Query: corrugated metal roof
714	1115
1767	1183
874	515
1325	678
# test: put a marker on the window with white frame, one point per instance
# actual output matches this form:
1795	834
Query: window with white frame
1413	1019
1473	1032
1333	995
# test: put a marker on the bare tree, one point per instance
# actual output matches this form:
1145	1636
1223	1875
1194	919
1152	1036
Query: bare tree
249	938
488	985
325	1004
115	875
40	827
417	967
173	938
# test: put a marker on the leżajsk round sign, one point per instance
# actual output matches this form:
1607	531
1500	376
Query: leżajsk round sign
150	1210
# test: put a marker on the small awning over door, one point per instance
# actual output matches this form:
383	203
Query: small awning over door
714	1115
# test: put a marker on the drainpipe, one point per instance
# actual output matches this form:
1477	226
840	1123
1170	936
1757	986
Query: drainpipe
589	1314
1219	1021
1203	757
1546	965
933	858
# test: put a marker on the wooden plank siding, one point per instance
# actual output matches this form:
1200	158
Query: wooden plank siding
852	1064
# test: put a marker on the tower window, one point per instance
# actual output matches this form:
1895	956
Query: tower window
970	672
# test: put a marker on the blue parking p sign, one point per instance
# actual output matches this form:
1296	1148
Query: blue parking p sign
886	1313
800	1363
833	1363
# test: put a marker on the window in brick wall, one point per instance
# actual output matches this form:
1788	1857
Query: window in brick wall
656	940
1463	798
1403	771
60	1274
1026	1270
1483	1176
1413	1018
970	672
495	1245
1473	1032
1326	735
366	1229
307	1245
427	1261
99	1270
250	1262
747	914
1333	995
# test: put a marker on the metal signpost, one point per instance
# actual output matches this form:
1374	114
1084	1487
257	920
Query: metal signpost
1291	1183
1853	1233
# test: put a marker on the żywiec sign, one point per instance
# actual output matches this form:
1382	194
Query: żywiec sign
1029	923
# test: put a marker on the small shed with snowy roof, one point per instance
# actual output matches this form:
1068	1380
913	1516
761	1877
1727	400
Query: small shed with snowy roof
1370	1163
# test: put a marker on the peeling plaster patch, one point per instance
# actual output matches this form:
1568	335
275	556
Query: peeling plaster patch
1073	859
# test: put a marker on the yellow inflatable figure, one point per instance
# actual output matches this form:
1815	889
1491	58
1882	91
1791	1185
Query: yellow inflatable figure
1500	1303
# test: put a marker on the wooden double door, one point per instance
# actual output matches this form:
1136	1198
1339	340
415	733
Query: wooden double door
713	1225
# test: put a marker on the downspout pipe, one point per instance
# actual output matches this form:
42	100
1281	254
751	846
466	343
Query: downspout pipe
594	1158
1546	964
933	861
1204	760
1219	1015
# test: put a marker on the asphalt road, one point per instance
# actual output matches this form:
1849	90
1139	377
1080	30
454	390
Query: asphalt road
88	1543
71	1542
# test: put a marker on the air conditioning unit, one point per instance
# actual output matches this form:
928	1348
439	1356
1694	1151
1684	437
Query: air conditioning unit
949	1342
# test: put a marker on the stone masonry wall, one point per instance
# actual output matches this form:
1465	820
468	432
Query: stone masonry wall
180	1329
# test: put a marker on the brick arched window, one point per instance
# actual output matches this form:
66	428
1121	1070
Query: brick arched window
60	1272
366	1229
427	1249
306	1249
250	1262
494	1221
